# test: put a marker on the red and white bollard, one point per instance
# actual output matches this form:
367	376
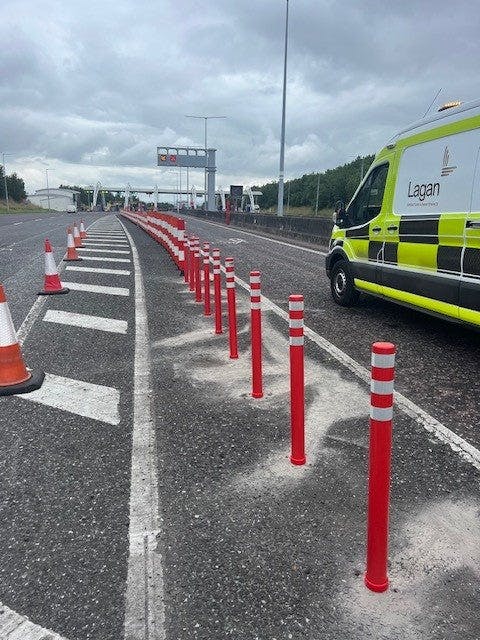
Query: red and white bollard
381	413
232	307
217	290
297	379
191	273
256	334
198	276
206	279
186	272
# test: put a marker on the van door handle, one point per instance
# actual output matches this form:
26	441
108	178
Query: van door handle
376	229
473	224
392	228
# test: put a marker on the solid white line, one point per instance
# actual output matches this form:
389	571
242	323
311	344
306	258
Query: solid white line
95	401
103	259
95	288
85	321
260	237
105	236
144	608
103	250
17	223
112	243
117	272
467	451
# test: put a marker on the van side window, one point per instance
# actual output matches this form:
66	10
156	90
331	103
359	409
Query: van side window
368	201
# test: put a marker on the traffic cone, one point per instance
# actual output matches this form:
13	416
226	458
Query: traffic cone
83	233
14	375
52	281
76	237
71	250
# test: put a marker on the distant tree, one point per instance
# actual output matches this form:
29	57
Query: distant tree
15	186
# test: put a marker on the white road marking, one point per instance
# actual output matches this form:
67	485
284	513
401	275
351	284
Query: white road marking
144	608
95	401
117	272
103	250
103	259
100	323
13	626
260	237
467	451
17	223
95	288
111	243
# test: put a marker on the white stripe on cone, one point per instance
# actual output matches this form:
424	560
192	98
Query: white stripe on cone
7	330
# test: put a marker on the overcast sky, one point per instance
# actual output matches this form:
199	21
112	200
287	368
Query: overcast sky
90	89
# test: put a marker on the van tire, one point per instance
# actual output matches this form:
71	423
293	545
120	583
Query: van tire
342	284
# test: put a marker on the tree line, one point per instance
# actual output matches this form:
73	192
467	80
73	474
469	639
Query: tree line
15	187
335	184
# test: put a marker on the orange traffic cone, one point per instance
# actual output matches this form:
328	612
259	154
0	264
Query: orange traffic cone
14	375
83	233
71	250
52	283
76	236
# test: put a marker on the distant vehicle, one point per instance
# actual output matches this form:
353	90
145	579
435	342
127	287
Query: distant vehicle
411	232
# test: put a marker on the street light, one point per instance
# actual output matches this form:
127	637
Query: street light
5	178
282	136
206	118
48	191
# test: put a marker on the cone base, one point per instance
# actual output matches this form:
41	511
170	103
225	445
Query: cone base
34	382
52	293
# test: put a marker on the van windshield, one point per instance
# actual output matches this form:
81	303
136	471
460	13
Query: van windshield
368	201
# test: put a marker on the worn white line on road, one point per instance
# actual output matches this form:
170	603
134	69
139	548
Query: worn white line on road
144	608
84	321
104	259
95	401
113	272
104	237
111	243
13	626
96	288
260	237
17	223
467	451
103	250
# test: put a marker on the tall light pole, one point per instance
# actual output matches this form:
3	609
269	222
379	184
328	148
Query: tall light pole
48	191
206	118
5	178
282	136
318	189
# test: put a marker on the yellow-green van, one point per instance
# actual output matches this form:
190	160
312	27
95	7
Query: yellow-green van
411	232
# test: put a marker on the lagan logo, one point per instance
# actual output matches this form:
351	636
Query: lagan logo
446	169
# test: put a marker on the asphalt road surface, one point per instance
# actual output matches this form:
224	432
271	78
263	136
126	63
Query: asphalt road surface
145	494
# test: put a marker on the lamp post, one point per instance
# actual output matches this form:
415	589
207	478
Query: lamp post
206	118
318	189
282	135
5	178
48	191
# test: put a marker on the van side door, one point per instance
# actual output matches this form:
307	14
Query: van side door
470	281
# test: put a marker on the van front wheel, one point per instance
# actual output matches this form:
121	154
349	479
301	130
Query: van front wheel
342	284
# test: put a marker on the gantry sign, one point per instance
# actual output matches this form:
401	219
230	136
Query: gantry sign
192	157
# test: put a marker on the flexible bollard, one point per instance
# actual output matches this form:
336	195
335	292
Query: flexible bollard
297	379
191	276
186	271
256	334
381	413
217	290
206	279
232	308
198	277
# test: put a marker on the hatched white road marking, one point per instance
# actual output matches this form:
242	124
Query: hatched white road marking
118	272
103	250
107	259
144	608
105	236
95	401
86	322
112	243
95	288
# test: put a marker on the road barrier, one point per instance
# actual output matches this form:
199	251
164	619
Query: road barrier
52	284
198	272
297	379
381	414
232	308
14	375
186	271
206	279
217	290
76	237
193	243
71	255
256	334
